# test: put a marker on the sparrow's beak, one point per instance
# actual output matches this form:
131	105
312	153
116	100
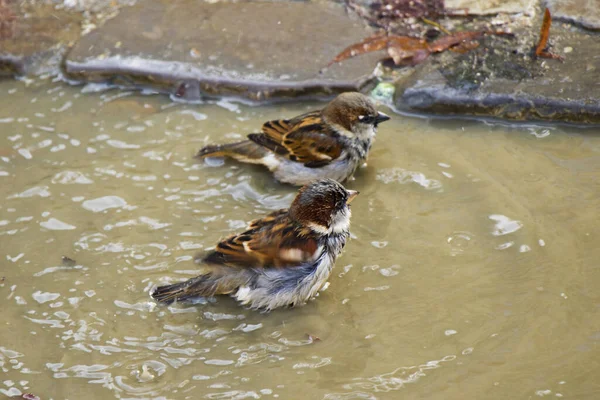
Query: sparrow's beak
381	117
351	195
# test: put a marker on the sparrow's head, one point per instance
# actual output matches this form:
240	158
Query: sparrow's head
323	206
355	113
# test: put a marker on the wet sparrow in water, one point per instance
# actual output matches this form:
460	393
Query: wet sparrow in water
328	143
282	259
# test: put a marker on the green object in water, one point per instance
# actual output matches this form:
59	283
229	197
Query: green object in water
384	92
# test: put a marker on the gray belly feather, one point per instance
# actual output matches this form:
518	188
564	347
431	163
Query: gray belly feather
281	287
296	173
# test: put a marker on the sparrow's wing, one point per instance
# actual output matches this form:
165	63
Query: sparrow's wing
306	139
273	241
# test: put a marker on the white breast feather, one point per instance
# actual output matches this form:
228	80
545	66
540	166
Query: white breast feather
341	221
271	161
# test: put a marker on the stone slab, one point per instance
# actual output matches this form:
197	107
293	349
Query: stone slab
501	79
36	40
490	7
583	12
253	50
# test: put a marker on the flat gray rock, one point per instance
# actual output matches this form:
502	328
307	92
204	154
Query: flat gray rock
254	50
36	39
487	7
583	12
501	79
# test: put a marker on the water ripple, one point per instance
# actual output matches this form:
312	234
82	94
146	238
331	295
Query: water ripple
403	176
391	381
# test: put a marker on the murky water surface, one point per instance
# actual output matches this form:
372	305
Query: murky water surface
473	271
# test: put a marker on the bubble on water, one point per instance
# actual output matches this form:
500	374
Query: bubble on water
25	153
41	191
459	242
141	306
219	362
104	203
119	144
64	107
44	143
153	223
542	393
539	132
228	105
403	176
136	128
197	115
524	248
319	362
56	225
93	87
379	245
58	147
44	297
504	246
71	177
504	225
236	224
221	316
391	271
188	245
377	288
11	392
248	327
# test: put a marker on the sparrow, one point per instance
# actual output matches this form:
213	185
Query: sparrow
281	260
328	143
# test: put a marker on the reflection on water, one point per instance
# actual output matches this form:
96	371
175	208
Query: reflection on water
471	272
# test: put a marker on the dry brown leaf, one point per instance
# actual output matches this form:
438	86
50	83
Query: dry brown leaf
370	44
406	50
540	50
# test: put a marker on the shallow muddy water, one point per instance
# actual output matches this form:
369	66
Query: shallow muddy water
473	270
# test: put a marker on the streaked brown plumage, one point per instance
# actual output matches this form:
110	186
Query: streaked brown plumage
282	259
327	143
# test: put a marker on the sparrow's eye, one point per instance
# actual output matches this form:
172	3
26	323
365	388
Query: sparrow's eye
366	119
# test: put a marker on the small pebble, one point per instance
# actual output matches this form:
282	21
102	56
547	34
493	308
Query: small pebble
68	262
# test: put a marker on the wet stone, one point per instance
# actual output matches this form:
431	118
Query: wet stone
583	12
34	38
502	79
487	7
253	50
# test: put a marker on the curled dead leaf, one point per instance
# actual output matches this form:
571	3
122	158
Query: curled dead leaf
541	50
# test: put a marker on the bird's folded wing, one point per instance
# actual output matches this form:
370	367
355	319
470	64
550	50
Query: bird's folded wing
306	139
269	243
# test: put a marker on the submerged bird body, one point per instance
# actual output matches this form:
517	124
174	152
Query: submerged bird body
329	143
282	260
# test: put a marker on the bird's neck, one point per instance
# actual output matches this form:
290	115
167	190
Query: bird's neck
335	242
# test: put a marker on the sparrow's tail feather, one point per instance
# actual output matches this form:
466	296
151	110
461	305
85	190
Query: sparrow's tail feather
201	286
245	151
